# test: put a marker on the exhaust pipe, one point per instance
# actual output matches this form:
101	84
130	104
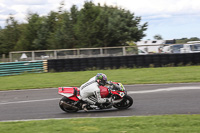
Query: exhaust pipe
67	105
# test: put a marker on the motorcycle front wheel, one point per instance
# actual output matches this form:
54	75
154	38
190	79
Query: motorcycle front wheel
66	108
125	103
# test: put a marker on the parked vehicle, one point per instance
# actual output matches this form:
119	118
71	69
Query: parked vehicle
190	47
154	46
172	48
142	52
71	101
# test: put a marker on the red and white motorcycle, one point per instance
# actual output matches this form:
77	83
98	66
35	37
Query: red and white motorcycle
71	101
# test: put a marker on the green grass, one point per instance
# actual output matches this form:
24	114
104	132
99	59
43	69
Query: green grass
125	76
135	124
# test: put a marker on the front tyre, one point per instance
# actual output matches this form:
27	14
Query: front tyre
125	103
67	108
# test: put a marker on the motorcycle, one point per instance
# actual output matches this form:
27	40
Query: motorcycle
71	101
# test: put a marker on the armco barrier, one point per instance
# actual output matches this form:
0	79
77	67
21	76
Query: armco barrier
14	68
131	61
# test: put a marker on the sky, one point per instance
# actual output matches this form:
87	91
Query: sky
172	19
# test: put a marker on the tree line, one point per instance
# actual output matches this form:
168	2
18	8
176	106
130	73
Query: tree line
185	40
91	26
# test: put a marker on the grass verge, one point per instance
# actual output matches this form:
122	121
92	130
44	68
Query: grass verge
125	76
135	124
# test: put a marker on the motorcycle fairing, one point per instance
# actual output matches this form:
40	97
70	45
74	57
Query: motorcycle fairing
70	92
119	93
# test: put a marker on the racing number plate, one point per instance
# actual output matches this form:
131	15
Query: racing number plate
122	94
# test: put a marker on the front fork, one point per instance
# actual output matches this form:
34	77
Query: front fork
117	98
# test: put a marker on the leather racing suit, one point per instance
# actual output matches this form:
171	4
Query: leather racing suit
90	92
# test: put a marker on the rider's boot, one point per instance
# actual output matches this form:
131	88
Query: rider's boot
84	107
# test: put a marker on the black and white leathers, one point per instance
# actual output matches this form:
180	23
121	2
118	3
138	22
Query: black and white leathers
90	92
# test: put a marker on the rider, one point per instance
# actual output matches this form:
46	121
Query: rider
90	92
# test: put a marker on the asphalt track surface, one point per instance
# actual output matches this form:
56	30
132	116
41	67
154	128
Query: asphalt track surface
155	99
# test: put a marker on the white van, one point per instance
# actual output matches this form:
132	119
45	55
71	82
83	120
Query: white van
172	48
153	46
191	47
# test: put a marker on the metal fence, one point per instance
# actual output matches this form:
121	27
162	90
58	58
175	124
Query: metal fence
14	68
72	53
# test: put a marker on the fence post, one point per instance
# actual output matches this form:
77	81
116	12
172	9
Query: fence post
124	50
101	51
3	57
10	56
55	54
78	53
33	55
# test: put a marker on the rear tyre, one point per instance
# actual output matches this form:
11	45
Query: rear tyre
125	103
66	108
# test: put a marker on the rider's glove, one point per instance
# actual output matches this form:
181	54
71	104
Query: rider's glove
109	82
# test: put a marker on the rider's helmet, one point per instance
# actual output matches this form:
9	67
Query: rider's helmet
101	79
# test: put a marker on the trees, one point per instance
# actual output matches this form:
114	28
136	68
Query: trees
9	35
107	26
158	37
30	38
86	28
91	26
63	36
185	40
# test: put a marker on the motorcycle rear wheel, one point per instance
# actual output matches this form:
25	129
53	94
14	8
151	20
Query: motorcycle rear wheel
65	108
125	103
